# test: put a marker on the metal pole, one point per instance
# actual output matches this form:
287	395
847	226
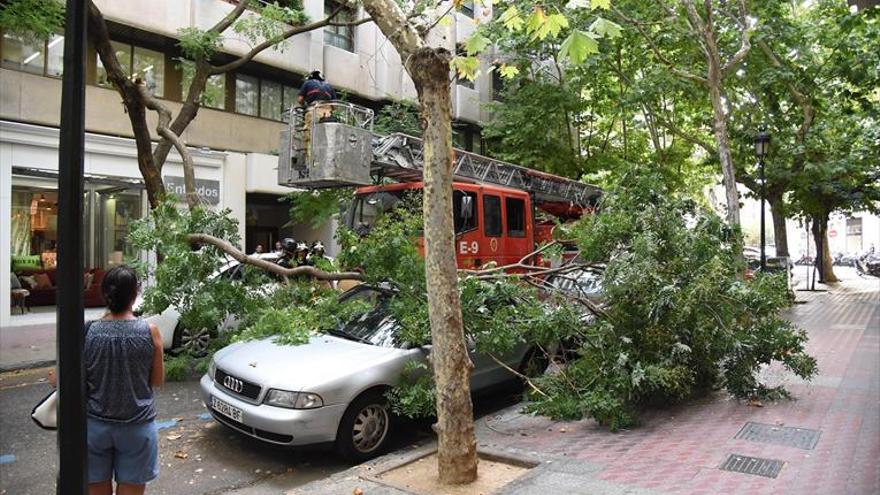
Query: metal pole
763	253
72	460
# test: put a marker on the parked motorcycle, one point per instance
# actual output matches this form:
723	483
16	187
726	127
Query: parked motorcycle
804	261
868	264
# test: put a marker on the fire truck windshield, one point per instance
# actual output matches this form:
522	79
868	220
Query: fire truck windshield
367	208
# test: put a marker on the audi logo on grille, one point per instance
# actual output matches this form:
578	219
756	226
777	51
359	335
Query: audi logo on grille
233	384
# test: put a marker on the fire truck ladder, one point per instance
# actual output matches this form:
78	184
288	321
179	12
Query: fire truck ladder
345	152
400	157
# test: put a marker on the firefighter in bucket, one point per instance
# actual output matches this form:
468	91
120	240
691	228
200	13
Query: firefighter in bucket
314	91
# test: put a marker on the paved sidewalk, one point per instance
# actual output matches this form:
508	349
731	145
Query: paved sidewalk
30	341
681	449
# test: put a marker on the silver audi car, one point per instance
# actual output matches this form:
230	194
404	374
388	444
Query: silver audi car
330	389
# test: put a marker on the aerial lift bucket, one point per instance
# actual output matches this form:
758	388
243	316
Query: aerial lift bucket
329	144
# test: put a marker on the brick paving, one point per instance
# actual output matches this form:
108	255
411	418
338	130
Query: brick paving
680	449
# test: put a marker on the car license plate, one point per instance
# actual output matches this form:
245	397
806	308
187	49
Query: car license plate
225	409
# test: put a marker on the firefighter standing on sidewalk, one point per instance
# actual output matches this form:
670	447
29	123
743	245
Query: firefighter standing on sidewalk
315	89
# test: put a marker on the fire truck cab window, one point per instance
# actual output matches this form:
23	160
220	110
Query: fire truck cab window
516	217
464	211
491	215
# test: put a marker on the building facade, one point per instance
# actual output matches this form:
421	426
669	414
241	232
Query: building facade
234	139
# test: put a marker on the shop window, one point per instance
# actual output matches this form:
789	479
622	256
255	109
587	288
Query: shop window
467	8
516	217
148	64
270	100
43	58
117	210
464	211
339	36
247	92
491	215
214	95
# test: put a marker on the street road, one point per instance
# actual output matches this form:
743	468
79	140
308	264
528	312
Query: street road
197	455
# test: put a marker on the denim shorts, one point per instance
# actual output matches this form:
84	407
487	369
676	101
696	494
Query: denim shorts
128	453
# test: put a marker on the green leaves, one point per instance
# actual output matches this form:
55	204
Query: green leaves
540	26
476	43
578	46
197	44
508	71
512	19
466	67
600	4
605	28
33	20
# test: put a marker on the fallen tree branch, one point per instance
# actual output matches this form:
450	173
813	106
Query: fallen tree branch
238	255
520	375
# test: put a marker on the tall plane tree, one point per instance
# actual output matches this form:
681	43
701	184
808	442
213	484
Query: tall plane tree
710	27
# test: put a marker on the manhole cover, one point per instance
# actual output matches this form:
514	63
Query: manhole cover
753	465
801	438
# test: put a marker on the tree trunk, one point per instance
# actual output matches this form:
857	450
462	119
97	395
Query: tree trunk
823	254
429	70
780	235
452	367
719	117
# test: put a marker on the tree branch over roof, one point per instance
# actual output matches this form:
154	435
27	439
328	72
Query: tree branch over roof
293	31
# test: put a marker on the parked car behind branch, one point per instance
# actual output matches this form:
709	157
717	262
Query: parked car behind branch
177	336
331	389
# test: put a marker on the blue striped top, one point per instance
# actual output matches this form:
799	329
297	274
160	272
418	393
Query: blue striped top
118	360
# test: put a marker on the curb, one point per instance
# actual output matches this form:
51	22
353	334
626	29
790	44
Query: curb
27	365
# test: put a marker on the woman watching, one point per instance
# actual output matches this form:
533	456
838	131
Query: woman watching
123	359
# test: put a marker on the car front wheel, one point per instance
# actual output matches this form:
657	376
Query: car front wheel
365	428
193	342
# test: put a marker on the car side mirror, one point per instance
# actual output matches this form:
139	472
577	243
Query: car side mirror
467	207
426	348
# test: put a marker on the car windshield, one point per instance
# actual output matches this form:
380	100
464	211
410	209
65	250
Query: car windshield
375	327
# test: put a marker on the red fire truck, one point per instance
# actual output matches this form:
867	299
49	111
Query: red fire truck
501	210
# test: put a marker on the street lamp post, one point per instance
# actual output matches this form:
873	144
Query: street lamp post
762	146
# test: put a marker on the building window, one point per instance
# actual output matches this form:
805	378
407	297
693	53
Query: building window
43	58
516	217
467	8
148	64
339	36
247	95
270	100
491	215
262	98
214	95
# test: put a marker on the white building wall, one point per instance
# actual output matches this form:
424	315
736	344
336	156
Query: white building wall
373	70
36	147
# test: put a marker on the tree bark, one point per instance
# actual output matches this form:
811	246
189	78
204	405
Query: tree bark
777	212
452	367
714	81
131	100
820	237
429	70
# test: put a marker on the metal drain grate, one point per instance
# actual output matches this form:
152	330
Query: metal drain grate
768	468
801	438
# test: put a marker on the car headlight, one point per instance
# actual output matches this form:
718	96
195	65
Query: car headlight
212	369
293	400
